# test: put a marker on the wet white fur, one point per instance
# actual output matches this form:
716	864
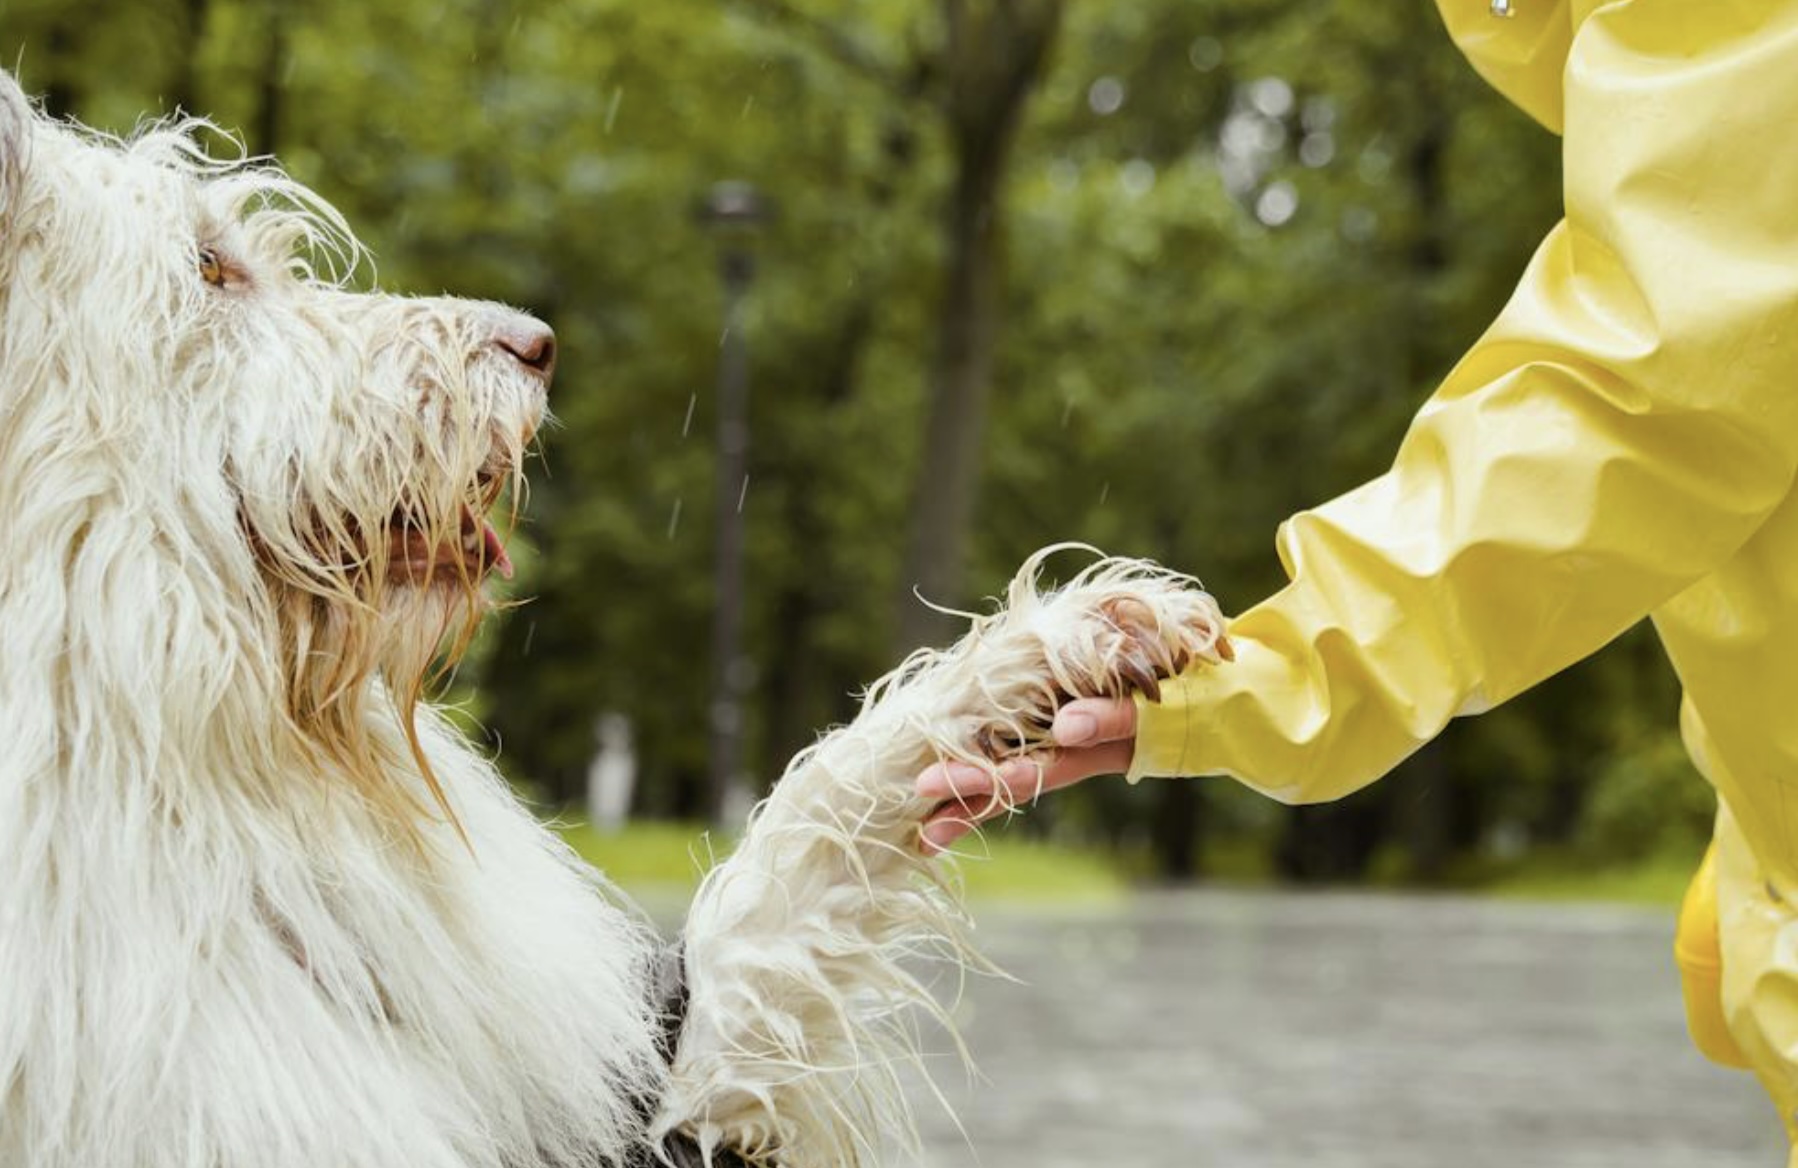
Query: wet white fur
214	952
803	946
218	946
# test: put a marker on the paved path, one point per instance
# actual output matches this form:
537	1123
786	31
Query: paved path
1340	1031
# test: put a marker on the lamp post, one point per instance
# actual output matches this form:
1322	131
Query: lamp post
734	212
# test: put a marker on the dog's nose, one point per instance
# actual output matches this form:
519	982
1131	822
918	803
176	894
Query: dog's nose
531	342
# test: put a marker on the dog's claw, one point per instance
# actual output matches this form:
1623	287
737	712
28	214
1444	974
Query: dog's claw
1139	675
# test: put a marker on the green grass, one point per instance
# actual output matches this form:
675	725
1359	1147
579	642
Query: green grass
658	858
1659	882
666	860
647	855
1021	871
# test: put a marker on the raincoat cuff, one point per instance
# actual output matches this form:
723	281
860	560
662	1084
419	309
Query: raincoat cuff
1162	732
1177	736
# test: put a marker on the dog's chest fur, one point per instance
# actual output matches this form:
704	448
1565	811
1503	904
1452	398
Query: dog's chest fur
227	982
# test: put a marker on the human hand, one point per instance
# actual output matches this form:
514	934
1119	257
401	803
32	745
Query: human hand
1093	736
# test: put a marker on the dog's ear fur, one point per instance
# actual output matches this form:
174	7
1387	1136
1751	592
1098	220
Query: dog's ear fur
15	137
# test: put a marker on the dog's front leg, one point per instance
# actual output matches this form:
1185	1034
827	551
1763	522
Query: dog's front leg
799	998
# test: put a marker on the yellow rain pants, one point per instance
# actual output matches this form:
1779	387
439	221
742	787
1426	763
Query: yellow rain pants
1621	443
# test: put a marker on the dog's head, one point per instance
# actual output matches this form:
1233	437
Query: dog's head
287	483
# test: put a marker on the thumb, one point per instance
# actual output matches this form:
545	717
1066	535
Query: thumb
1089	721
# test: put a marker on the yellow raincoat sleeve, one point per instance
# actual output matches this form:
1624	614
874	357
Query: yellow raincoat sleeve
1627	423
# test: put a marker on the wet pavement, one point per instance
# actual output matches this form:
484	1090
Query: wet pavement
1254	1030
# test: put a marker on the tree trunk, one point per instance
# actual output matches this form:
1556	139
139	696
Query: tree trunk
1178	828
271	96
186	86
967	329
60	93
993	56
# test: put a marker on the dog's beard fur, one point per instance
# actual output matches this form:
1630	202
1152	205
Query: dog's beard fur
389	586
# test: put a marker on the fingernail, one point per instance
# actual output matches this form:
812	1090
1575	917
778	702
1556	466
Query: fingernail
1076	729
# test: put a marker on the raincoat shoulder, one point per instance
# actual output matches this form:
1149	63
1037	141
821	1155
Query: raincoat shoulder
1521	55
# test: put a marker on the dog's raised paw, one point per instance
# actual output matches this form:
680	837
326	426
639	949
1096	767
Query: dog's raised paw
1117	629
1156	637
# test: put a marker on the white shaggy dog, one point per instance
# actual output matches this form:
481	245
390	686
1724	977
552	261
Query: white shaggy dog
261	906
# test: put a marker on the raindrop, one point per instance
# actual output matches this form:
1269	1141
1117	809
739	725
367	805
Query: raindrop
1272	96
687	424
724	337
1206	54
742	494
1317	149
1067	411
674	519
1277	204
1104	492
1106	96
1270	135
1137	177
748	104
530	634
612	106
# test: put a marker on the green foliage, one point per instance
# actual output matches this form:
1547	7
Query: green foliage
1649	804
1245	237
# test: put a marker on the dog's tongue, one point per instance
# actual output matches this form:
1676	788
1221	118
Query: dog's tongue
494	551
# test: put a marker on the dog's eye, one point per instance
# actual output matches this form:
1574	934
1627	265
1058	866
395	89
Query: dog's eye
212	269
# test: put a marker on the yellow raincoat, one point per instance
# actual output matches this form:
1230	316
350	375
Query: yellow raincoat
1621	443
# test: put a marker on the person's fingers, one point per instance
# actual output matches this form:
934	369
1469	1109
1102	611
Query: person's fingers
968	795
1068	767
1095	736
988	790
941	831
1088	721
1091	723
949	780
